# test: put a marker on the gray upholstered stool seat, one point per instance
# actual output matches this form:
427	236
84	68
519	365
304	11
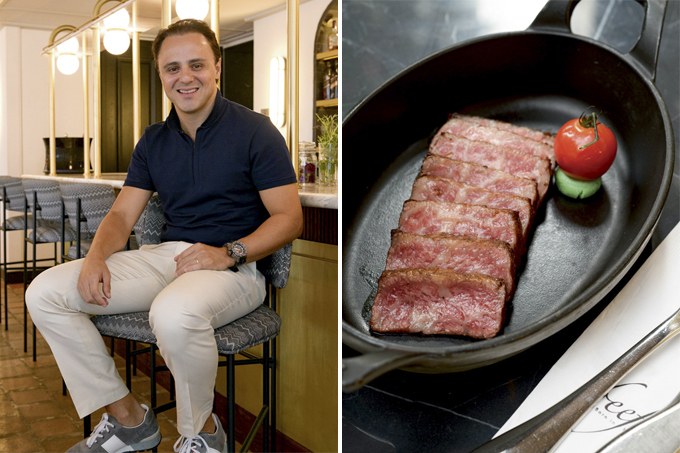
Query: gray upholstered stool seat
50	232
253	329
84	249
17	222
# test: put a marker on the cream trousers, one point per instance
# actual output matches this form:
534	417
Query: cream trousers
183	314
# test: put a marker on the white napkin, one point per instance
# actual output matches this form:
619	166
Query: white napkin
650	297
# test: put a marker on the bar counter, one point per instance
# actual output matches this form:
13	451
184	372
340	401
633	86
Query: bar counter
311	196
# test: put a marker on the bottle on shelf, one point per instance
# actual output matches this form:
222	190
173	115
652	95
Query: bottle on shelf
334	81
327	80
333	36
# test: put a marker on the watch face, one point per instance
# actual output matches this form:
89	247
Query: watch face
238	249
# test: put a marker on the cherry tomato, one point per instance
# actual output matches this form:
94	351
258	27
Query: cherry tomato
581	152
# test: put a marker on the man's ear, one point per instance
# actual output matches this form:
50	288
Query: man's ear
218	68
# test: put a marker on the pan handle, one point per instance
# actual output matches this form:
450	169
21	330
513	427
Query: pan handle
556	16
646	51
360	370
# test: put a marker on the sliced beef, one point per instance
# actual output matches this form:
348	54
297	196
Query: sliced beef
438	301
500	137
545	137
480	176
509	160
461	254
429	217
439	189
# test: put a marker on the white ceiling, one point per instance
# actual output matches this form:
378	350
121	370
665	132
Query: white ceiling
49	14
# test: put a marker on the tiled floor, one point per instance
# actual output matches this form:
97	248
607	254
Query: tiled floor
34	415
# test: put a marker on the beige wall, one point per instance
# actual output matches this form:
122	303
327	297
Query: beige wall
270	41
27	101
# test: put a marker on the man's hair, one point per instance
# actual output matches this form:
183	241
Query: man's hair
184	27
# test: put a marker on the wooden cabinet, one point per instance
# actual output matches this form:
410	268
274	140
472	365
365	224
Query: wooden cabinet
307	372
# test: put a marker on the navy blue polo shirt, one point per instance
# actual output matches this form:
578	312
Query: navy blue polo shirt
209	188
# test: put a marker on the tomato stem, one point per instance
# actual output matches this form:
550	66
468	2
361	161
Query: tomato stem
587	121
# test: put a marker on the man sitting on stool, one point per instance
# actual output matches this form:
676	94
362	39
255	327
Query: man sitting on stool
229	194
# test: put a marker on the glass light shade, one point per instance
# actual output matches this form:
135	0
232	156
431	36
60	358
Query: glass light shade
277	90
116	41
67	64
192	9
69	47
120	19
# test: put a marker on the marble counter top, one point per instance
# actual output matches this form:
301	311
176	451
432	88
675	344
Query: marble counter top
312	196
113	179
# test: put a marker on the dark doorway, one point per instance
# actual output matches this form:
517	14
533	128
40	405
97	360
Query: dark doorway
117	104
236	82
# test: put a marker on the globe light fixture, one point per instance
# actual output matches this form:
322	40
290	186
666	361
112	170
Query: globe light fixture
68	62
116	39
192	9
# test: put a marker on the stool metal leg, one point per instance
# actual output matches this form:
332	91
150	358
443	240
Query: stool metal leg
25	271
35	251
152	374
128	376
87	426
266	397
4	246
231	402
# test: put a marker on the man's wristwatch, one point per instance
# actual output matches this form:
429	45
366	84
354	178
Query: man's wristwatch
237	250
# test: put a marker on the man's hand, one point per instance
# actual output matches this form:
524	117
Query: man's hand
93	273
201	256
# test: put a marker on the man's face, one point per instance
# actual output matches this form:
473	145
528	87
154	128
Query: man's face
188	72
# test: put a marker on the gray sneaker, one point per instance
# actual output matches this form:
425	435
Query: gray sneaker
204	443
109	436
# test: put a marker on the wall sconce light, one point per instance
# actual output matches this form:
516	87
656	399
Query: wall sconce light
192	9
67	61
277	91
116	39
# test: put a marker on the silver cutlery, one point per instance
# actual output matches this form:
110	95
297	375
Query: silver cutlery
544	432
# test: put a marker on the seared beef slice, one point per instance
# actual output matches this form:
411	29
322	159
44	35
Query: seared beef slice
436	301
440	189
545	137
460	127
428	217
480	176
461	254
509	160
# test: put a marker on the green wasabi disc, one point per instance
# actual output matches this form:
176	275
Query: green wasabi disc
575	188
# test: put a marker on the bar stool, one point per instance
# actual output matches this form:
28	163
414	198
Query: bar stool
262	326
45	204
86	206
14	199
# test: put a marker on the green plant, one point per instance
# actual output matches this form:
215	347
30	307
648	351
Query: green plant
328	129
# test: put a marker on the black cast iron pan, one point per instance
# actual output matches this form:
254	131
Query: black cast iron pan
579	250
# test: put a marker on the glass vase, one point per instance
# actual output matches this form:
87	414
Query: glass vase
328	164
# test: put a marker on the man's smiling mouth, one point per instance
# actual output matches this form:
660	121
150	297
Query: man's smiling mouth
193	90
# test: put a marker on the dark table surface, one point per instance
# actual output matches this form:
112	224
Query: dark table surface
456	412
